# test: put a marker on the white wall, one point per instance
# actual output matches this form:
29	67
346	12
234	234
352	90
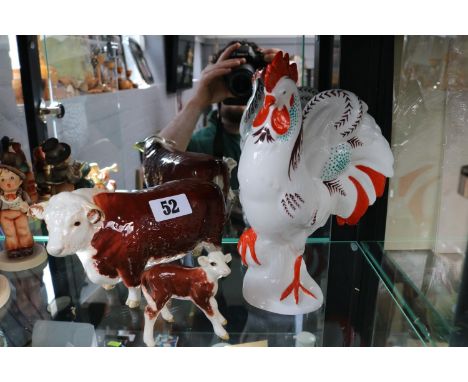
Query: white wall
12	119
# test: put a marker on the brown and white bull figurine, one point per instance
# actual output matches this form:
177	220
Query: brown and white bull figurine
116	234
163	282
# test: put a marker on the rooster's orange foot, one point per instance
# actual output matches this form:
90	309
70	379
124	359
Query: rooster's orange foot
296	283
247	239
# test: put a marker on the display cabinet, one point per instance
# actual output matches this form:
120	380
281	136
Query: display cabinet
395	279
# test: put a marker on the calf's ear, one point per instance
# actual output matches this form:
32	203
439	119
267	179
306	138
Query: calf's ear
37	210
227	258
203	261
94	215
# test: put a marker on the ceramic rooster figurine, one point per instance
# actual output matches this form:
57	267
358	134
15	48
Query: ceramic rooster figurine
297	168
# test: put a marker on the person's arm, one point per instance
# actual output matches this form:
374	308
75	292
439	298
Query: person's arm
211	89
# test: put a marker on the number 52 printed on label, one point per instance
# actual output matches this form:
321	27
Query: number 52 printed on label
170	207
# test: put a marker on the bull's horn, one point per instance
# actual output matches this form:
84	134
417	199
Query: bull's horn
162	140
230	163
140	146
227	257
37	210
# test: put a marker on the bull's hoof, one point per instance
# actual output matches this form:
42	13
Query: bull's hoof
108	286
132	304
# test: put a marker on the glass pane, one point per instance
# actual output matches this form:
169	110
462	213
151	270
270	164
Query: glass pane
60	292
427	225
12	116
82	75
410	279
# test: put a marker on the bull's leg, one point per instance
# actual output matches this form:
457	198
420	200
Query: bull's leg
150	318
134	297
214	306
210	247
166	314
207	246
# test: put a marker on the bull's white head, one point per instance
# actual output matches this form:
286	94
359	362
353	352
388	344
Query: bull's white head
215	264
71	221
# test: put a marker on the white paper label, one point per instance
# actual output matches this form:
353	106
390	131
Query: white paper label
170	207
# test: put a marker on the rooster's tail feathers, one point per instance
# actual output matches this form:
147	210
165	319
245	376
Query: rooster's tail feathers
363	181
352	156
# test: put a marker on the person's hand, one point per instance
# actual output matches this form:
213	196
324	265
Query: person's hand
211	87
269	54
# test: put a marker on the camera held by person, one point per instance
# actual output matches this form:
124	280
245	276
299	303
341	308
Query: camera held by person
239	81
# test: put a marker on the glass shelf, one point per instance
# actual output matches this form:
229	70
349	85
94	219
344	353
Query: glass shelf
59	290
427	298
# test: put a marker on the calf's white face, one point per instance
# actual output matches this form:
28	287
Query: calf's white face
215	264
71	221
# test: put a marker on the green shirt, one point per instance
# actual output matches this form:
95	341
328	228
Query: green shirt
202	142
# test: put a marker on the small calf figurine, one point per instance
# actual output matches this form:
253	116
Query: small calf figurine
163	282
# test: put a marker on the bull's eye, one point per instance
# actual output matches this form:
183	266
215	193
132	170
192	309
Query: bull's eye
76	224
213	264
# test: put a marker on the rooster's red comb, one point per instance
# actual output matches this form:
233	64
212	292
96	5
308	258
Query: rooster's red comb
278	68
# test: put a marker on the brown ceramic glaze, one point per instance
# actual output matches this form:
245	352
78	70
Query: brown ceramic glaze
163	163
167	280
131	236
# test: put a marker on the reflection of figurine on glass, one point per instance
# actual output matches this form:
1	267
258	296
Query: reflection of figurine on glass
4	290
56	170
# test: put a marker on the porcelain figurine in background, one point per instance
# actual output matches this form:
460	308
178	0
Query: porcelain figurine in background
162	162
14	206
297	168
12	154
199	285
101	177
115	234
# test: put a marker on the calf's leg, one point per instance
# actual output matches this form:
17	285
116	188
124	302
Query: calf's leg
166	314
214	306
148	333
213	317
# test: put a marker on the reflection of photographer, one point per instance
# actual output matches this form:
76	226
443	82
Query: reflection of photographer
239	80
227	82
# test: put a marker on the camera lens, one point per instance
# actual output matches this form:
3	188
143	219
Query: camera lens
240	81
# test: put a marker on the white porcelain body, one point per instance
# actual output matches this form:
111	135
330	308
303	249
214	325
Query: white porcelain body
286	185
